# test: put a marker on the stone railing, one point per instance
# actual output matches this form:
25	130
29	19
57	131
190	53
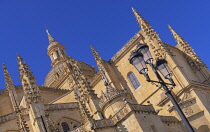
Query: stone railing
8	117
169	119
61	106
128	44
103	123
109	96
143	108
58	90
45	88
129	108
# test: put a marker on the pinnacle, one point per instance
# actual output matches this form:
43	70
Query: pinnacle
140	19
169	27
19	59
50	38
177	37
7	77
95	53
172	30
92	48
5	69
133	9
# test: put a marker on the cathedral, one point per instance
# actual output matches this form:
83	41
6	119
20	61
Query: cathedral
76	97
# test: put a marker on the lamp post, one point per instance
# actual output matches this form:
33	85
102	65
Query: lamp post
140	58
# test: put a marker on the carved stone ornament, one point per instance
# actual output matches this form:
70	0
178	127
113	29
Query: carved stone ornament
188	111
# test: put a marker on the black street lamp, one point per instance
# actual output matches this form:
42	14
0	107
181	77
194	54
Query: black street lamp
140	58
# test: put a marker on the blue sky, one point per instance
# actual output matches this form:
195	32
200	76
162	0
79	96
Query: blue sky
105	24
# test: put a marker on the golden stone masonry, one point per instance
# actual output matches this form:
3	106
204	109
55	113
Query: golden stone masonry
77	98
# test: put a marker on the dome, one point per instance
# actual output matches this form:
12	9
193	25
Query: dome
58	72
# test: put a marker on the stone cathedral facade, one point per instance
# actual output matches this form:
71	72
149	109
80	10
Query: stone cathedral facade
77	98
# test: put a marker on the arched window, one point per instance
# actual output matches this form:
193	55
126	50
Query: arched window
134	81
65	127
53	56
57	53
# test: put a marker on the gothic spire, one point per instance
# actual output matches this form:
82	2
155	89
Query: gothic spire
177	37
10	87
184	46
51	39
152	38
8	79
98	58
100	65
32	96
145	26
14	99
29	82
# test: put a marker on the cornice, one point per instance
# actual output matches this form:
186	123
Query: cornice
192	86
125	47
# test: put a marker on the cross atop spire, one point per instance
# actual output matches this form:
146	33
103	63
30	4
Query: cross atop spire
51	39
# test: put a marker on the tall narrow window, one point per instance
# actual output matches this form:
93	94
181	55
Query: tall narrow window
62	52
65	127
54	57
57	53
134	81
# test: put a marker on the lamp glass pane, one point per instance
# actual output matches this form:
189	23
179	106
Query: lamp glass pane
165	71
140	64
147	56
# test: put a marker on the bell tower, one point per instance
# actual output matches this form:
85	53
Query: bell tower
56	51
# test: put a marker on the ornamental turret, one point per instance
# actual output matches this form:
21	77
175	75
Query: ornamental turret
56	51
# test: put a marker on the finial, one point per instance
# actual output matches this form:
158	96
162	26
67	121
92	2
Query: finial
92	47
137	15
5	69
51	39
144	24
19	59
4	66
169	27
177	37
174	33
133	9
97	58
95	53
